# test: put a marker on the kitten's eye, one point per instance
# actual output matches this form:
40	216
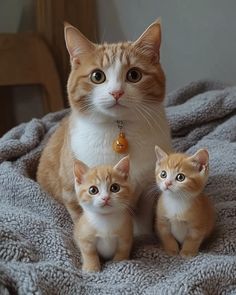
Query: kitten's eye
180	177
97	77
115	188
93	190
163	174
134	75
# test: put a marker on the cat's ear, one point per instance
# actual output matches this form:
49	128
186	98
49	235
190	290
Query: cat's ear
76	42
79	170
201	160
150	41
123	166
160	154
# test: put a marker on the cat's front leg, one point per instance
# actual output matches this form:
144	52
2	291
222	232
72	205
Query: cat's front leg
90	258
125	240
85	239
163	229
192	243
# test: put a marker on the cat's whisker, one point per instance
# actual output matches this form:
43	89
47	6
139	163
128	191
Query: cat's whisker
154	116
142	115
151	117
127	207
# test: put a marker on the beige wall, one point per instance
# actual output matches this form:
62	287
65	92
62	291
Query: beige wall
199	37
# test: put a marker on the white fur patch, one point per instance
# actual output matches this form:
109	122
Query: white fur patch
179	230
106	246
105	226
175	207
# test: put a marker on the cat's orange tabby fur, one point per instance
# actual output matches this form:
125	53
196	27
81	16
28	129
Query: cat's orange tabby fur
109	82
185	215
105	228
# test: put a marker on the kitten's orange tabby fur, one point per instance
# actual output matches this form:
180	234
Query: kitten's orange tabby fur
105	227
185	215
109	82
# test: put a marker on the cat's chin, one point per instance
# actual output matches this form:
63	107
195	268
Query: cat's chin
116	112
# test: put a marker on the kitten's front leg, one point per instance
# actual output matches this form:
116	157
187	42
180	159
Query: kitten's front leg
125	240
90	256
163	229
87	245
192	243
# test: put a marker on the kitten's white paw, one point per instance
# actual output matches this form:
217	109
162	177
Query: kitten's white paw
88	267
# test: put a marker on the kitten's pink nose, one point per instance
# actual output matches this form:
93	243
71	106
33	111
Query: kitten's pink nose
106	199
168	183
117	94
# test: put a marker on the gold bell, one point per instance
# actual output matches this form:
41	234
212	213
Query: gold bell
120	145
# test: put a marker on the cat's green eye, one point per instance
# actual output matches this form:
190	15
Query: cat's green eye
97	77
93	190
134	75
115	188
163	174
180	177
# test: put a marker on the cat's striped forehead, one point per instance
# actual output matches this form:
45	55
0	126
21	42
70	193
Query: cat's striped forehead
110	53
103	174
179	163
124	53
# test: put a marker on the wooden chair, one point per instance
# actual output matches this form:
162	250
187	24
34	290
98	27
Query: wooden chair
26	60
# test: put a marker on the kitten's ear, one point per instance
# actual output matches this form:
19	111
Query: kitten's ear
76	42
79	170
150	41
201	159
123	166
160	154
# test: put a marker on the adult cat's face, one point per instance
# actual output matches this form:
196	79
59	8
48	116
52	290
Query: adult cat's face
115	80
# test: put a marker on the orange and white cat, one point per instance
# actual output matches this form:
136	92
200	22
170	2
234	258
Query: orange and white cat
185	215
105	228
109	82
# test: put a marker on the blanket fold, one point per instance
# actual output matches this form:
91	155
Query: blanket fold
37	252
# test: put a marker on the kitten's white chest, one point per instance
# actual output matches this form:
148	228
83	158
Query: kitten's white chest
106	246
179	230
174	208
106	237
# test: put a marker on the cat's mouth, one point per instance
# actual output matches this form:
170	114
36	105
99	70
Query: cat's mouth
116	105
167	188
106	205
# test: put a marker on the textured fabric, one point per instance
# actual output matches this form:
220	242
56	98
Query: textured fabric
37	252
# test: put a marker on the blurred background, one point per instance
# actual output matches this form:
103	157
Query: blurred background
199	41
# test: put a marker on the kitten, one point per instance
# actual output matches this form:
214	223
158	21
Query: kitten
185	216
105	228
109	82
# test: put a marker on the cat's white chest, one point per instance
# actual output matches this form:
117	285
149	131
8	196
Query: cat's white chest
179	230
106	246
106	237
92	144
175	207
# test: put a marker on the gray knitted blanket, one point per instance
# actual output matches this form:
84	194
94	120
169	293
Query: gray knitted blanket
37	252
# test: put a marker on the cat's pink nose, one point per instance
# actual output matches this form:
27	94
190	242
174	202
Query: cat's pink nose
117	94
106	199
168	183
